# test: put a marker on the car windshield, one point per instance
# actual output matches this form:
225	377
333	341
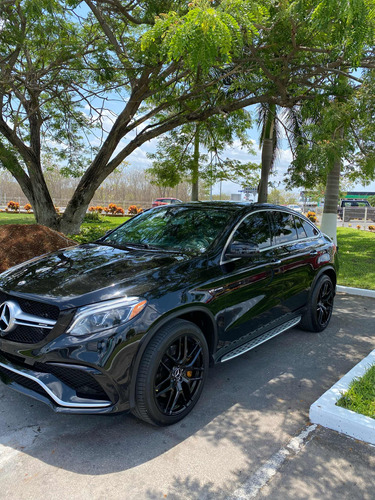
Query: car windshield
186	229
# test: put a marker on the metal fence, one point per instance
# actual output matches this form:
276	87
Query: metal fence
362	216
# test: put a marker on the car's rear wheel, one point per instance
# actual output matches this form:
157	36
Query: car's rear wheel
171	374
320	306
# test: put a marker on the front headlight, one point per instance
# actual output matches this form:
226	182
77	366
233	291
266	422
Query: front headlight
106	315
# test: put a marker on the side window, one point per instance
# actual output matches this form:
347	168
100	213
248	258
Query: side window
284	228
310	229
254	229
301	232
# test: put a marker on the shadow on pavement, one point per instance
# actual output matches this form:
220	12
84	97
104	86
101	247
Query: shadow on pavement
252	405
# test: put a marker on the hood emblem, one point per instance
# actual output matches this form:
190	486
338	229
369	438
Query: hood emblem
7	316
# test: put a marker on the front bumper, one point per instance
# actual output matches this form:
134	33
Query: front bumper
48	387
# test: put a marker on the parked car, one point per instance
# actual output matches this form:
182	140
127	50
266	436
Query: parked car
355	209
133	320
165	201
296	208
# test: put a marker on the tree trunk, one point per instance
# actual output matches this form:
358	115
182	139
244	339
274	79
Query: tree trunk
268	145
266	167
331	199
195	167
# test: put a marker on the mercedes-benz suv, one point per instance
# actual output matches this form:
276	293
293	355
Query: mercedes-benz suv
134	320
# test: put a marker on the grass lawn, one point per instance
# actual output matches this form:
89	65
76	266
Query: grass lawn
357	258
11	218
356	247
361	395
89	230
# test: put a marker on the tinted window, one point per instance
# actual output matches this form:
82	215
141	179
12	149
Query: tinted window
310	230
284	228
300	229
172	227
254	229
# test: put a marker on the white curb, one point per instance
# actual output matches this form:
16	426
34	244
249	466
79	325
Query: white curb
325	412
363	292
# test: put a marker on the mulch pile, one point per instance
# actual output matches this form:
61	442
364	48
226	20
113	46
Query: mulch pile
20	242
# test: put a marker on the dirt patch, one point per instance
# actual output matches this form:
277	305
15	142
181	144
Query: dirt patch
20	242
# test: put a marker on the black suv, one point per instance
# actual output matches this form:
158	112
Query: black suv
133	320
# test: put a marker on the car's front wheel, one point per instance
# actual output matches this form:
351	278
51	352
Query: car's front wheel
320	306
171	374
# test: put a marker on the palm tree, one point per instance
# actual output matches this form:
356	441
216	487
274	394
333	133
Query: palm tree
271	120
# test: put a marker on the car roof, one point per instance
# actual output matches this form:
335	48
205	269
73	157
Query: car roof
231	205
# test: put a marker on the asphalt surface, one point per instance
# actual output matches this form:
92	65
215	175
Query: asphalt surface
251	409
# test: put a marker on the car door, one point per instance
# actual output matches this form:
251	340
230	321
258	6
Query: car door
248	281
295	252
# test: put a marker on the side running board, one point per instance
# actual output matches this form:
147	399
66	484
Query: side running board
260	340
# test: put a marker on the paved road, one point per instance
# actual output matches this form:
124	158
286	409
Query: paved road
251	408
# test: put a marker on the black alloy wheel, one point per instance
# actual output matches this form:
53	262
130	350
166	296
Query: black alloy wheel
172	373
320	306
324	304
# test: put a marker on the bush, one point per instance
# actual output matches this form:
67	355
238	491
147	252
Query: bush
112	208
93	217
27	207
371	228
99	209
312	216
89	234
133	210
120	211
13	205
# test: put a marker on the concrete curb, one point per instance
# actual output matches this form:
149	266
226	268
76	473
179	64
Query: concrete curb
363	292
325	412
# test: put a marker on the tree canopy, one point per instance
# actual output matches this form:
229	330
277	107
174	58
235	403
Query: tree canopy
92	81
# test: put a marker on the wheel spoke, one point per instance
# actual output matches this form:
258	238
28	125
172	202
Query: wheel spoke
169	400
164	391
195	358
162	383
178	393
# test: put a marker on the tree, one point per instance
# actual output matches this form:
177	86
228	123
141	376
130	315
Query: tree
178	155
339	141
60	65
272	120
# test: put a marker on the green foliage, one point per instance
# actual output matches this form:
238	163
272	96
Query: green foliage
88	234
205	35
281	197
93	218
337	125
173	161
357	256
361	394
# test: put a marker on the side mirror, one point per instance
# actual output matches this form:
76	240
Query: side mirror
242	249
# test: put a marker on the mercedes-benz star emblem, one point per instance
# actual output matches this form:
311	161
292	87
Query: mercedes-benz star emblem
7	319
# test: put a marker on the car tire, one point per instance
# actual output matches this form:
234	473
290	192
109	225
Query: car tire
171	374
319	309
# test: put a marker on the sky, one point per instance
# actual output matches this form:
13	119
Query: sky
139	159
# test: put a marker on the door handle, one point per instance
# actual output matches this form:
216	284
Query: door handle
314	252
275	262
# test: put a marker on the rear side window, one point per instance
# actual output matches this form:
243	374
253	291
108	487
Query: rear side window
310	230
284	228
301	232
254	229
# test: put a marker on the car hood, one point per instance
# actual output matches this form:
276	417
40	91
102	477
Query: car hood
91	273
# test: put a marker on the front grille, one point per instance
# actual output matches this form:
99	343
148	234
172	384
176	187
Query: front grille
24	381
29	334
32	307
